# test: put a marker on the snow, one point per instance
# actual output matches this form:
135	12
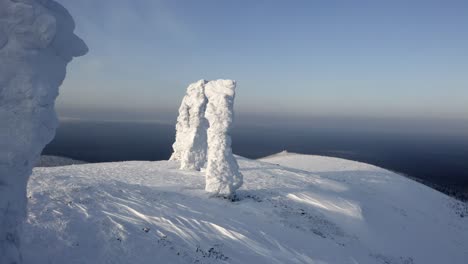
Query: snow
222	171
291	209
202	135
36	43
190	146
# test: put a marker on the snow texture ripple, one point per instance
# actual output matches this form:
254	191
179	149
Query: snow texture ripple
291	209
36	44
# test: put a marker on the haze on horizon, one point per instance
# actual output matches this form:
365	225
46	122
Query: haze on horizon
304	58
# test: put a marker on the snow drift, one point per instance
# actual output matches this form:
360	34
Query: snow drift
291	209
36	43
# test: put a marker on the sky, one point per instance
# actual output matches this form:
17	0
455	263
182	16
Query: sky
298	58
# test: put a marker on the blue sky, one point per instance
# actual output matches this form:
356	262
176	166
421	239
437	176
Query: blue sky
304	58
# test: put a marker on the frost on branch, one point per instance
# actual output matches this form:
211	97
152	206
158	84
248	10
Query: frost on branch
222	173
36	44
190	145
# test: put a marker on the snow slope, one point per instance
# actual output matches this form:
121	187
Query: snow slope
307	209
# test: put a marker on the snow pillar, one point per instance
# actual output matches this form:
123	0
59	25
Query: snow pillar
191	141
222	174
36	44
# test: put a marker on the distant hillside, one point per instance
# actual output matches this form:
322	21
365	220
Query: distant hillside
55	161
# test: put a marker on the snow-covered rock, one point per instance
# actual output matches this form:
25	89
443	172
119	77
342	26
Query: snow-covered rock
222	172
36	43
202	135
307	209
190	146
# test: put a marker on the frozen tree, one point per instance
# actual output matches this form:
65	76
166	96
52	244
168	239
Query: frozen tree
222	173
36	44
190	145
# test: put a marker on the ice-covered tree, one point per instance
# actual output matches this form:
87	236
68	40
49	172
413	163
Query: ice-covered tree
222	173
36	44
191	143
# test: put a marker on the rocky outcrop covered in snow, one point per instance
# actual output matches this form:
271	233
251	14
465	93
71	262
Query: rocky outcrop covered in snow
36	44
190	146
222	171
202	137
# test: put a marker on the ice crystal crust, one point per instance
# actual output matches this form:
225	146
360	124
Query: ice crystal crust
36	44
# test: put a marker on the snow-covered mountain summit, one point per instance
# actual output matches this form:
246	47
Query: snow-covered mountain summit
292	209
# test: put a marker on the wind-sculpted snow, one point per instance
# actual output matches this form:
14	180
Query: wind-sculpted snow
222	171
190	146
310	209
202	135
36	43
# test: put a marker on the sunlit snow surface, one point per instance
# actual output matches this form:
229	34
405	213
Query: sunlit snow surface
292	209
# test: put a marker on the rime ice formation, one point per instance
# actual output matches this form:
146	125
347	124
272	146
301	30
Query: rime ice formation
36	43
222	174
202	137
190	145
